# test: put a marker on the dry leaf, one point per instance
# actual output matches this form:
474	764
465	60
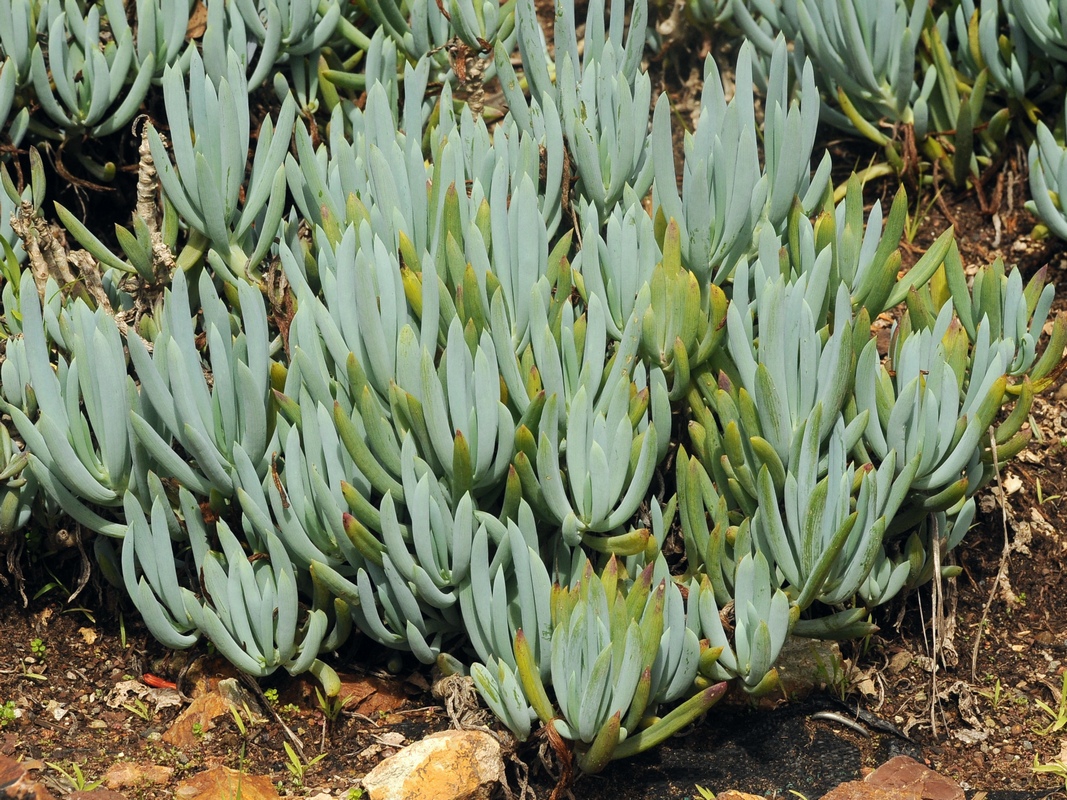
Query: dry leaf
197	22
160	698
1012	483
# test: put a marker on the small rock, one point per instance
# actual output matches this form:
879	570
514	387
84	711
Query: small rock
239	697
733	794
205	673
16	784
130	773
450	765
899	662
910	778
968	736
204	708
805	664
368	695
96	794
223	783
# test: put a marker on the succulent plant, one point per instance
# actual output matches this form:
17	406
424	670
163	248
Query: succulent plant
247	608
419	367
619	646
762	619
1045	23
1047	160
1011	67
81	458
17	486
210	420
89	77
210	134
8	92
718	222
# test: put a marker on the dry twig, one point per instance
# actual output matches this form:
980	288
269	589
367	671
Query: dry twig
1002	569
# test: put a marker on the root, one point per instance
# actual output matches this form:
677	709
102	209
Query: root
13	559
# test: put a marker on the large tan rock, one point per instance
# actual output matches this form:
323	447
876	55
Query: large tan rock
900	778
451	765
907	774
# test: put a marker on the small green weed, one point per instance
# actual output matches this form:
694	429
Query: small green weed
7	713
271	696
706	794
240	718
834	675
916	219
76	779
139	708
1058	715
1057	768
331	707
239	721
995	697
298	768
1041	499
39	648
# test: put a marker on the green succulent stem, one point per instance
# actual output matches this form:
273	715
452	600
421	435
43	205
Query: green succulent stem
669	725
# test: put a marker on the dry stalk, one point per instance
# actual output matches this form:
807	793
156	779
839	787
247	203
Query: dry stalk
147	208
1002	569
47	252
935	624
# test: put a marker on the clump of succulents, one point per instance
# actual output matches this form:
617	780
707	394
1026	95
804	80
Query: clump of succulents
433	396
